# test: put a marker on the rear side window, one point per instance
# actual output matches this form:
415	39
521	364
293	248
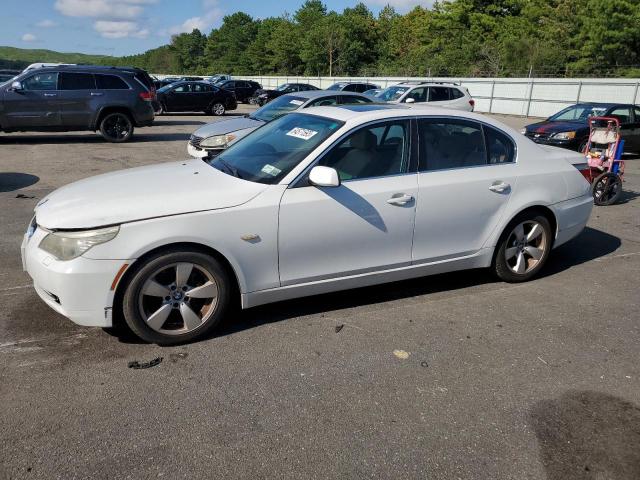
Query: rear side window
110	82
353	87
455	93
500	147
448	144
76	81
438	94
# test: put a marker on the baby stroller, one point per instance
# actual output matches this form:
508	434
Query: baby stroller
604	153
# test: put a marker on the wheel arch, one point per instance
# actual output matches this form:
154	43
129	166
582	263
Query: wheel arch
121	286
543	209
104	111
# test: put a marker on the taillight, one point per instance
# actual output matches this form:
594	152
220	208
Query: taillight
472	102
585	170
147	96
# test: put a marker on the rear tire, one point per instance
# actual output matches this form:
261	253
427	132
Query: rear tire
523	248
176	296
606	189
217	109
116	127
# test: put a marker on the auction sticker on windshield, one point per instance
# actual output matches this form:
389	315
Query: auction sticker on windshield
302	133
296	102
271	170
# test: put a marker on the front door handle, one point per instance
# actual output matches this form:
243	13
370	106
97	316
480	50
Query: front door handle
96	94
499	187
50	94
400	199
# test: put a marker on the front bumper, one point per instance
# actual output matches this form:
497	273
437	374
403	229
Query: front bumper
79	289
572	216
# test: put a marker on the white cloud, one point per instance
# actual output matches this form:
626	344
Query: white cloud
104	9
46	23
29	37
112	29
212	14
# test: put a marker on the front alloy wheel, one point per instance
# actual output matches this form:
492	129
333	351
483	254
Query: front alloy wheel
524	249
176	297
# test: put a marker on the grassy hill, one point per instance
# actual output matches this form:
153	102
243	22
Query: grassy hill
19	58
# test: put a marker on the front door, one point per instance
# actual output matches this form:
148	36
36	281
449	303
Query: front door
180	98
467	174
365	224
36	105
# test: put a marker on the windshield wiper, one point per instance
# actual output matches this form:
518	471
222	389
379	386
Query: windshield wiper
228	168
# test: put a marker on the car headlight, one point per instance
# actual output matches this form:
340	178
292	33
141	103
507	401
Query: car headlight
69	245
219	141
564	135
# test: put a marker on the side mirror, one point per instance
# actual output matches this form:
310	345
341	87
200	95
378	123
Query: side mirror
324	177
16	86
410	100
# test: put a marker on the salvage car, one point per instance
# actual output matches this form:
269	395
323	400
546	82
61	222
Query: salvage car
194	97
569	128
213	138
242	89
449	95
318	200
263	96
358	87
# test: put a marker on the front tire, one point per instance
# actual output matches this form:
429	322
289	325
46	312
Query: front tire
175	297
523	248
116	127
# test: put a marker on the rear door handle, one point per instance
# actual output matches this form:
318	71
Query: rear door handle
400	199
50	94
96	94
499	187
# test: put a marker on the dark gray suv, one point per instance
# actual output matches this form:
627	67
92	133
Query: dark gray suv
112	100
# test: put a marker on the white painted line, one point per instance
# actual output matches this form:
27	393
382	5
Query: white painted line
14	288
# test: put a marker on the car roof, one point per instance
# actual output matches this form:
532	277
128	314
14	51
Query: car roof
426	84
361	113
90	68
309	94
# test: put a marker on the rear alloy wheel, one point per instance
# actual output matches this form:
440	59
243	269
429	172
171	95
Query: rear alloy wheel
217	109
524	249
162	109
176	297
606	189
116	127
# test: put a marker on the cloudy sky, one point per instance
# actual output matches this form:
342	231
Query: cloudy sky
121	27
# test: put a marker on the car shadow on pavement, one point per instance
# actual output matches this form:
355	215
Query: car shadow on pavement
10	181
66	139
588	434
178	122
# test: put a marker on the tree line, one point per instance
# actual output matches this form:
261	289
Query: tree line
454	38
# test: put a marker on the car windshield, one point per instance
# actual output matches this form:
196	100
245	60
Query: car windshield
278	107
337	86
578	113
270	152
390	94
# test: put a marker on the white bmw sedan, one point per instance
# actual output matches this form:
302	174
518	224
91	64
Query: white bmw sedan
316	201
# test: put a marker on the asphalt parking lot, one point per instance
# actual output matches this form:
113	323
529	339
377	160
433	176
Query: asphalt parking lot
455	376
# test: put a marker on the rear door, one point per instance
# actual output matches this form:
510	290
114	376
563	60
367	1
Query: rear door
77	95
179	98
202	96
36	105
466	175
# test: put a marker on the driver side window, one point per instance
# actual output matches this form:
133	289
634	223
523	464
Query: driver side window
375	151
182	88
41	81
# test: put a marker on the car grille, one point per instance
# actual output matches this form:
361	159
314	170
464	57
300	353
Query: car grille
195	140
536	136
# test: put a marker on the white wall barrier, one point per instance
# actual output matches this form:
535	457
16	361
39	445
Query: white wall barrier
531	97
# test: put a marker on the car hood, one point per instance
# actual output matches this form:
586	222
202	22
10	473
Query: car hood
555	127
227	126
142	193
